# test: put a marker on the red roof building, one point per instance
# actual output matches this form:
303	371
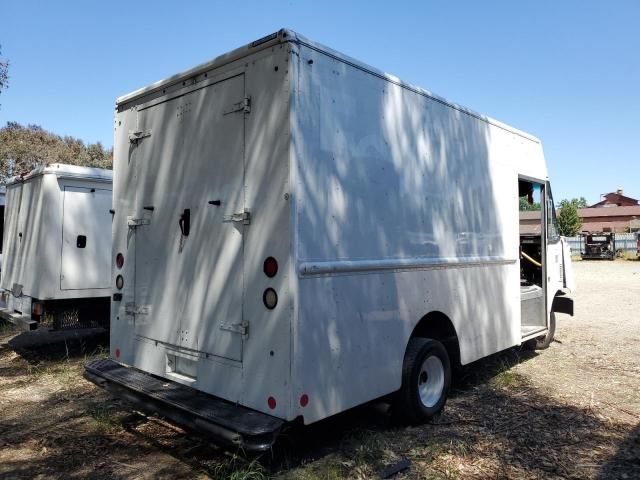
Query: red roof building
615	199
613	219
616	213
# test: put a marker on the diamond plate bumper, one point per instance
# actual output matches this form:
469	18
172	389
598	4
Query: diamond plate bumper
234	424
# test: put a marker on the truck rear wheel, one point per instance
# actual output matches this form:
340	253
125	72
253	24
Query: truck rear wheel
426	379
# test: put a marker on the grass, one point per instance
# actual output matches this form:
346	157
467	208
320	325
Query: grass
629	255
329	467
506	377
238	468
366	454
63	373
362	453
7	327
105	419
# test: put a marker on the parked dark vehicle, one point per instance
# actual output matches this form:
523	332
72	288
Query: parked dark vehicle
598	246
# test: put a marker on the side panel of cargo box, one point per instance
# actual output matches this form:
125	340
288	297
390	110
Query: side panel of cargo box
406	209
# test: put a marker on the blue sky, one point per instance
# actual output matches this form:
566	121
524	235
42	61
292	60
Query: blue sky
566	71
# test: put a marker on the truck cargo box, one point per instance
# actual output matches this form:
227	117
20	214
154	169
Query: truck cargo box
294	229
57	246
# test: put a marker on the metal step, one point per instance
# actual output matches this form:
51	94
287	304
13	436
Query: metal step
234	424
531	331
22	321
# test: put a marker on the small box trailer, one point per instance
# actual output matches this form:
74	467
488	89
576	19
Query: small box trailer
56	268
297	233
598	246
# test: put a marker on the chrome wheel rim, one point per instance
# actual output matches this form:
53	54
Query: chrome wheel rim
431	381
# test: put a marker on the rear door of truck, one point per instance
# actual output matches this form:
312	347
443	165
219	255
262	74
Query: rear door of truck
188	220
86	236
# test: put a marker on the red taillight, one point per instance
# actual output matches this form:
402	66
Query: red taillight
37	308
270	267
117	353
119	260
271	402
304	400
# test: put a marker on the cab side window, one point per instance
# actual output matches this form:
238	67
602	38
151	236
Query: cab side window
553	234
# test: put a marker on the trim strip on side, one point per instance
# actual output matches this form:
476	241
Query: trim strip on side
309	269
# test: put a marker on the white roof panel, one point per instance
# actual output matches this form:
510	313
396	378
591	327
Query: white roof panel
285	35
66	171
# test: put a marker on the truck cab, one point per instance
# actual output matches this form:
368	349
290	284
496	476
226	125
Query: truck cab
546	272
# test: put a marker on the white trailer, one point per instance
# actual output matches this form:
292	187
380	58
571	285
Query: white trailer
3	195
57	247
297	233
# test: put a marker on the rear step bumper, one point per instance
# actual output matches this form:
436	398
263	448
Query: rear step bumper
234	424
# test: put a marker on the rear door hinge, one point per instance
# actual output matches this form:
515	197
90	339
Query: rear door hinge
243	105
137	135
240	217
133	309
136	222
241	328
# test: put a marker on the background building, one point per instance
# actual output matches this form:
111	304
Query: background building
615	213
615	199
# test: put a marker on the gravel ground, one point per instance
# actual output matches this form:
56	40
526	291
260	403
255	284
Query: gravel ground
596	357
572	411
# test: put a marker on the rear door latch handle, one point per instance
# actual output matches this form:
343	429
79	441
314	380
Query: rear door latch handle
185	222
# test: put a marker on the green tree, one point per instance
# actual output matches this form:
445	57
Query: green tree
24	148
576	202
580	202
4	72
569	222
525	206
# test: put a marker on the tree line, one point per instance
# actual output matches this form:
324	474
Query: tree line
23	148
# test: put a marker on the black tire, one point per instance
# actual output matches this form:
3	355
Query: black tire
408	405
544	341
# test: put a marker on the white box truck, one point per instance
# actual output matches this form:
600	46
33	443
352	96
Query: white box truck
297	233
56	268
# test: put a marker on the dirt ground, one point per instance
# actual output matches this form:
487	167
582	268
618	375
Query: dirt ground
572	411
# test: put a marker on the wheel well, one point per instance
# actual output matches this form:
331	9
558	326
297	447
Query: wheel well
437	326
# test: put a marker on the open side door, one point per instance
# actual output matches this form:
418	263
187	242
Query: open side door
555	254
569	277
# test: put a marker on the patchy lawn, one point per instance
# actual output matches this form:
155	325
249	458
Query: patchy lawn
572	411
